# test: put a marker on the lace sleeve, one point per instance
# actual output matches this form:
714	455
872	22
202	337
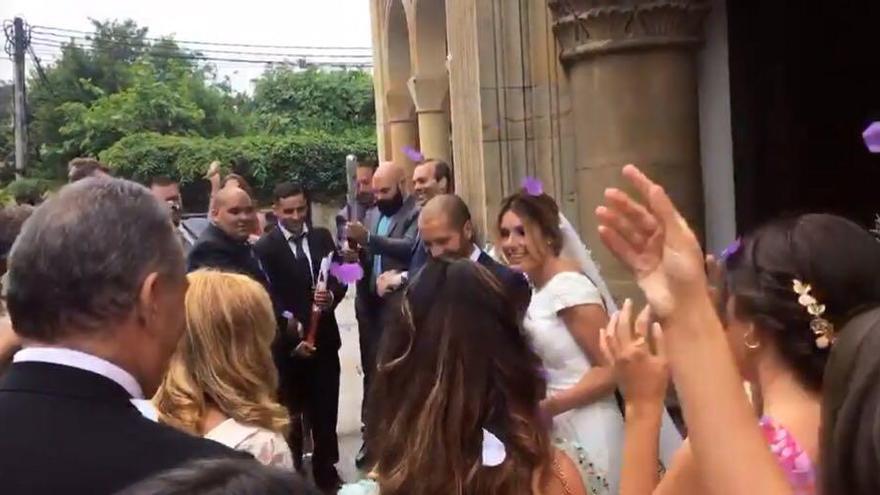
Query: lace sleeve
569	289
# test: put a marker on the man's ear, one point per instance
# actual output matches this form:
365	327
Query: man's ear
148	298
469	231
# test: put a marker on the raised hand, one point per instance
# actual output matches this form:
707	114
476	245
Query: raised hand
654	241
642	375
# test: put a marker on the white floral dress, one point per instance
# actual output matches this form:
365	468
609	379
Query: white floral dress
268	447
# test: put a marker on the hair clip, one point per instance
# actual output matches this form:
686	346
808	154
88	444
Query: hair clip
413	154
731	249
821	327
533	186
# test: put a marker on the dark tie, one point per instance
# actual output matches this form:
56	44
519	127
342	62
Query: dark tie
302	261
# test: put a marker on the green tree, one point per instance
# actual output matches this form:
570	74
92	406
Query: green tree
288	100
119	84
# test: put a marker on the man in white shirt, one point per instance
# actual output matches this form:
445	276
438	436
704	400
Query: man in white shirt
96	292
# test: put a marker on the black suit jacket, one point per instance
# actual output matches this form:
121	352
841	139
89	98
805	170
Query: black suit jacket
292	291
70	431
515	283
215	249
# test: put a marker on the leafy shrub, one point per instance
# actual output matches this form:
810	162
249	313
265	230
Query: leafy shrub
28	190
314	159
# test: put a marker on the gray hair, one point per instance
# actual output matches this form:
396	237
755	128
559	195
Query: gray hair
81	258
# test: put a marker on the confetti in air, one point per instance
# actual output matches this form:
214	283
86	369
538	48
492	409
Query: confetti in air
413	154
872	137
533	186
347	273
731	249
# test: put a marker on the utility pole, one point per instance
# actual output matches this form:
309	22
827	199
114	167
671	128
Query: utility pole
20	43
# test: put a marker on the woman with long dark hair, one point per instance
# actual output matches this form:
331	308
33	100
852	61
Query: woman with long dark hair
457	395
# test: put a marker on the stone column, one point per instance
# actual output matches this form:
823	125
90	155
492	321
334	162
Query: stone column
402	125
430	94
632	70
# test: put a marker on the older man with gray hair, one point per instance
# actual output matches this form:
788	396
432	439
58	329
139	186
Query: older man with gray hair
96	291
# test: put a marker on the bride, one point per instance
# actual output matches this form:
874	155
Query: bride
569	306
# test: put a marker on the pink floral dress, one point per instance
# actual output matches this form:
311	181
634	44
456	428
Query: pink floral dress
794	461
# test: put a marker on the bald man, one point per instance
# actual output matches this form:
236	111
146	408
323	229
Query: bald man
224	243
446	231
385	241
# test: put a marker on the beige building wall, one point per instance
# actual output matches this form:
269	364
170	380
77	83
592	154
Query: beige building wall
511	107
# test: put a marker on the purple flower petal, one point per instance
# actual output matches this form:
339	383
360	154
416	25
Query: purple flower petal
413	154
347	273
731	249
872	137
533	186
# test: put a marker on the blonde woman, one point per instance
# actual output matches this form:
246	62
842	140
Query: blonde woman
221	383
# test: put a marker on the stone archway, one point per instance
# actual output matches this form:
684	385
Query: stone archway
399	104
429	84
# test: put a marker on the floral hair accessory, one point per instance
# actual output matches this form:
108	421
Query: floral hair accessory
822	328
347	273
413	154
872	137
533	186
731	249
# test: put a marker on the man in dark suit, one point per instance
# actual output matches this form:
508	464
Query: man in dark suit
385	242
446	231
167	191
430	178
97	284
309	376
224	243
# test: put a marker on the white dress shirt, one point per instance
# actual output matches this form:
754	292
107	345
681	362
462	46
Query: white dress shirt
94	364
305	243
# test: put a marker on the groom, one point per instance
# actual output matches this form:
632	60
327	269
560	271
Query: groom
446	231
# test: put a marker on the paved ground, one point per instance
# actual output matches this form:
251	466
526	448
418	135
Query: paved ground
350	391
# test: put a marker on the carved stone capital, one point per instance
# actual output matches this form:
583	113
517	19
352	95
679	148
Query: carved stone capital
399	105
429	92
586	28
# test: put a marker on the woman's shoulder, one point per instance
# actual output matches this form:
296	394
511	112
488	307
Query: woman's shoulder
268	447
571	288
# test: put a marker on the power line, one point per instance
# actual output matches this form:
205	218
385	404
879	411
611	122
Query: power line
227	52
86	40
306	58
214	43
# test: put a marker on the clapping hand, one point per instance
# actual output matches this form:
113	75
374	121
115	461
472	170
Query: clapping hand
655	242
642	374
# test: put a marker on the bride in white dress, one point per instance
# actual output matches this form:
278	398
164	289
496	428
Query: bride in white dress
569	306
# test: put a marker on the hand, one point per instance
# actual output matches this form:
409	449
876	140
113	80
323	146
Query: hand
294	328
349	255
643	375
388	282
304	350
323	299
654	241
715	274
357	231
213	169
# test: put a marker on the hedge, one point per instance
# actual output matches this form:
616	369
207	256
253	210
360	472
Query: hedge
316	160
26	190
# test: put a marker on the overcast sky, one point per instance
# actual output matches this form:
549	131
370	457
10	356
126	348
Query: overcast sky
262	22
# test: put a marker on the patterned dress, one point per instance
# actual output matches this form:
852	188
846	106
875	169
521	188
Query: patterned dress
794	460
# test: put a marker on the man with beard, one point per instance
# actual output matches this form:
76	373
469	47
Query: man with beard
309	376
168	192
224	243
386	243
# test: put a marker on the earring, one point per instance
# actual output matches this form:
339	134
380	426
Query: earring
754	343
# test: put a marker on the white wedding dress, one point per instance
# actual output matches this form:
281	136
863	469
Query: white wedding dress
598	427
